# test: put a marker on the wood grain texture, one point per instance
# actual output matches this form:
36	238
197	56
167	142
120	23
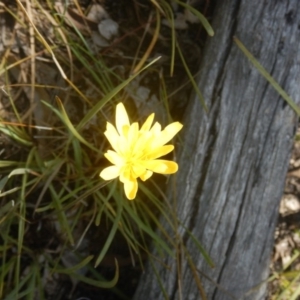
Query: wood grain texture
235	158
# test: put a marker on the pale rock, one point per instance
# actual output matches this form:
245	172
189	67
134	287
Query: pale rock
108	28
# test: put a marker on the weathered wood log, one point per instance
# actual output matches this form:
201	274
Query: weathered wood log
234	159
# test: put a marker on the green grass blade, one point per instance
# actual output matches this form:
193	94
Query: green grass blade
200	247
61	215
3	182
22	218
296	293
112	232
98	283
268	77
8	163
71	270
64	117
110	95
202	19
195	86
147	229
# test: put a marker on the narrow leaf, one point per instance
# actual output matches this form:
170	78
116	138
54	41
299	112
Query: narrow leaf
268	77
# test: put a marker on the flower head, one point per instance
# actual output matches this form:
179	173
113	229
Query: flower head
135	150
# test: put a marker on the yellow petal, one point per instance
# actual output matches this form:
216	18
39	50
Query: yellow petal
109	173
125	130
114	158
131	188
133	134
143	143
125	174
123	146
147	125
121	118
161	151
161	166
167	134
146	175
138	170
112	136
156	129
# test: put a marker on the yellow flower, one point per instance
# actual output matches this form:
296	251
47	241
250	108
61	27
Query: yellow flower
136	150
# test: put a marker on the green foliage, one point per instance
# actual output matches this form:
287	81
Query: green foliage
287	281
52	198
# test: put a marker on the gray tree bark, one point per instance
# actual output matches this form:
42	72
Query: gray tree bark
234	159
